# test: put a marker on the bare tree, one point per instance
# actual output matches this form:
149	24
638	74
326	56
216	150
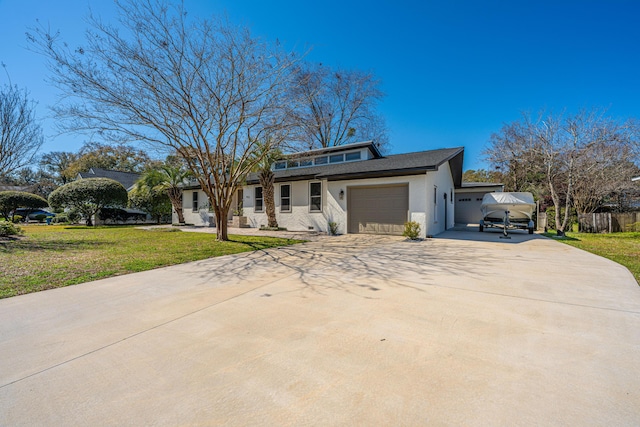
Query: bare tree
336	107
511	152
56	163
581	158
605	165
201	88
20	133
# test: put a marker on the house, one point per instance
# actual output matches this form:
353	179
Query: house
353	186
127	179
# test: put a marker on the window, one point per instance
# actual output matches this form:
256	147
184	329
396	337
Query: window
315	197
280	165
321	160
293	164
194	201
352	156
239	201
306	162
285	198
336	158
435	204
259	207
451	195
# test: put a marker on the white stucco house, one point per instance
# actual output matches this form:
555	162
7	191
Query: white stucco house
353	186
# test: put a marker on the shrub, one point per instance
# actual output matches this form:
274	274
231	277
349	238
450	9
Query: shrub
17	219
61	218
551	218
9	229
40	217
88	196
333	228
411	230
12	200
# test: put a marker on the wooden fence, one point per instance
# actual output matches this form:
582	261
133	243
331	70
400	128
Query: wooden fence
609	222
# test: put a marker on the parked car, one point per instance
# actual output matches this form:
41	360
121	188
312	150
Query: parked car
33	213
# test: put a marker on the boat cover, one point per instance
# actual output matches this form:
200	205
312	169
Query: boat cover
508	199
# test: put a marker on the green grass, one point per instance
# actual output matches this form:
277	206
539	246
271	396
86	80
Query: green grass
623	248
53	256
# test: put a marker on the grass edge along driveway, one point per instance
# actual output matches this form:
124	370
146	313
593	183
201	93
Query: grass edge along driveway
623	248
48	257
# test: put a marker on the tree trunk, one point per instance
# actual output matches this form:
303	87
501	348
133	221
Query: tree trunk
266	180
178	210
221	224
176	202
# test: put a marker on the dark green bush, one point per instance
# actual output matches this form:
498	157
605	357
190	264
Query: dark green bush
12	200
411	230
551	218
17	219
9	229
88	196
40	217
61	218
333	228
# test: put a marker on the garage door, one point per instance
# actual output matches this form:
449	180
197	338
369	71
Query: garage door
468	208
378	210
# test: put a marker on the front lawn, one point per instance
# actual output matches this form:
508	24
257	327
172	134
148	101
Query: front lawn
623	248
54	256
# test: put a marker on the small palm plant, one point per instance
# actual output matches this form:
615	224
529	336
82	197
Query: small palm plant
169	179
265	156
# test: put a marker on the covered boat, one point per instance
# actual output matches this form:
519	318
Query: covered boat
508	210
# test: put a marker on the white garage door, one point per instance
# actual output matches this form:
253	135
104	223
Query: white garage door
378	209
468	208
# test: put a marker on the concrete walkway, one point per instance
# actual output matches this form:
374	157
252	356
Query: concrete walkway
463	329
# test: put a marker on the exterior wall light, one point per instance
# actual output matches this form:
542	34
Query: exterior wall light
341	194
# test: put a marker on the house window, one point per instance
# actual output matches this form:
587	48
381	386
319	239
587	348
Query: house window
321	160
280	165
451	195
285	198
435	204
352	156
306	162
259	207
336	158
315	197
239	201
194	201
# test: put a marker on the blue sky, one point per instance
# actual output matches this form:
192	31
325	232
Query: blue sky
453	71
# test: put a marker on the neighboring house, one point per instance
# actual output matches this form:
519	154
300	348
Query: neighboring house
9	187
127	179
354	186
469	199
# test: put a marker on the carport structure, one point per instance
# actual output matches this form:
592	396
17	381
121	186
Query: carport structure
370	330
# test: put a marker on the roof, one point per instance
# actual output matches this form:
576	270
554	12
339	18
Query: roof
479	185
127	179
8	187
338	148
384	166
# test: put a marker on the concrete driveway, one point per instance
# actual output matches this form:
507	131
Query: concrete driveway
463	329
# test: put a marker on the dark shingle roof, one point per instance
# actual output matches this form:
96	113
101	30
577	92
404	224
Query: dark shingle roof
393	165
373	148
127	179
481	184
